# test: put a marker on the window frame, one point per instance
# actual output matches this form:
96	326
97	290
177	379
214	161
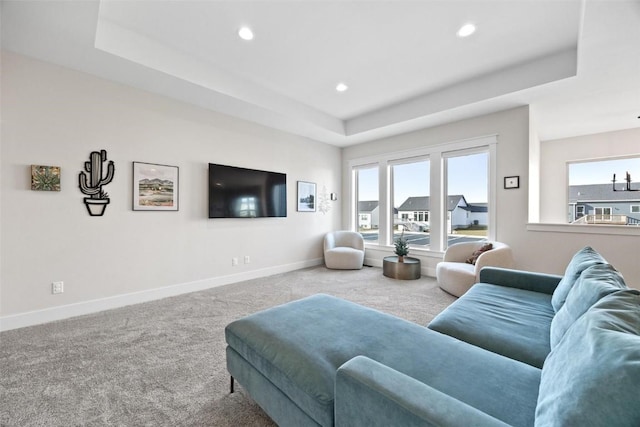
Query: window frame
437	191
605	219
491	190
391	192
546	195
354	214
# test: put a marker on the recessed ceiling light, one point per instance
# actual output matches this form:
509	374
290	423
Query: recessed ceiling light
341	87
245	33
466	30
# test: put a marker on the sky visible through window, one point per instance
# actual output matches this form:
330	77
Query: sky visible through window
416	183
601	172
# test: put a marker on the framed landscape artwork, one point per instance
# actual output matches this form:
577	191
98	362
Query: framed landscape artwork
306	196
155	187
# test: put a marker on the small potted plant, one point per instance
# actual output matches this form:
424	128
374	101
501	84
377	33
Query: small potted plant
402	247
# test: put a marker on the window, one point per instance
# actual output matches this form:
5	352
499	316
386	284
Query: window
602	215
602	192
367	202
409	192
467	204
409	210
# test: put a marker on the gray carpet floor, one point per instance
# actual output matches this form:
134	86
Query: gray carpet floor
162	363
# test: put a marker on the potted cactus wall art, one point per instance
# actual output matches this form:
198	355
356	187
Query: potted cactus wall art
91	182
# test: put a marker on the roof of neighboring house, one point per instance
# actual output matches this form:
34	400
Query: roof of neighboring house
476	207
603	193
415	204
367	206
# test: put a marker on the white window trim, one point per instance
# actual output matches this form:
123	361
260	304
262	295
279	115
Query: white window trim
435	153
616	230
354	219
491	191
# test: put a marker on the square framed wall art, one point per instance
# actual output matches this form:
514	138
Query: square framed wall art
511	182
306	196
45	178
155	187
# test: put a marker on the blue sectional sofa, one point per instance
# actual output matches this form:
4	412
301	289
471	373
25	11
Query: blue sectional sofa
518	349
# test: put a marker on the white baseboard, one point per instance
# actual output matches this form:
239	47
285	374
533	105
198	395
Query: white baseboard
37	317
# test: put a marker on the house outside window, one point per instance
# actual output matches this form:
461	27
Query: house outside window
410	179
598	195
365	222
467	174
367	210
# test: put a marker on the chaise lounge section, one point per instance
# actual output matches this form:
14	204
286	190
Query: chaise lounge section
529	349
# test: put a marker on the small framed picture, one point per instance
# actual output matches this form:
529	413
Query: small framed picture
511	182
306	196
155	187
45	178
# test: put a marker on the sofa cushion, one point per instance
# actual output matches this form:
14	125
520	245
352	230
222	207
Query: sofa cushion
582	260
593	284
508	321
592	377
300	345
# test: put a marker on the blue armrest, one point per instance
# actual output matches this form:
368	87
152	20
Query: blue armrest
369	393
527	280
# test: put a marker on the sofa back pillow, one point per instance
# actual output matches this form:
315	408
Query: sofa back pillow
594	283
592	377
583	259
476	254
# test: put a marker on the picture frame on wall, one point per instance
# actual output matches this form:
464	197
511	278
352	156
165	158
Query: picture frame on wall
511	182
306	196
155	187
45	178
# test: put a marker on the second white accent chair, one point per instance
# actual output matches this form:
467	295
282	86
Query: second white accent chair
456	276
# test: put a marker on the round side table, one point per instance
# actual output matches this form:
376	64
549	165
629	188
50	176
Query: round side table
409	269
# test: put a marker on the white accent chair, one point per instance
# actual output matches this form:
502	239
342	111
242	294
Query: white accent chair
344	250
456	276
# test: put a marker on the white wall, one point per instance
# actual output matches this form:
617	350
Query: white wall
537	249
56	116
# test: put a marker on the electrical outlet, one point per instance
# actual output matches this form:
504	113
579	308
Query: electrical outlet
234	261
247	259
57	287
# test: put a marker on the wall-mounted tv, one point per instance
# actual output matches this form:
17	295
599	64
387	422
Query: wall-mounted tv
246	193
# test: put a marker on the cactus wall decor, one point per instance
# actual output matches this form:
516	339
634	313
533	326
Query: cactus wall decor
91	182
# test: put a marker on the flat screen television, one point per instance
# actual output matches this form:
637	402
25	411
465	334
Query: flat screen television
246	193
